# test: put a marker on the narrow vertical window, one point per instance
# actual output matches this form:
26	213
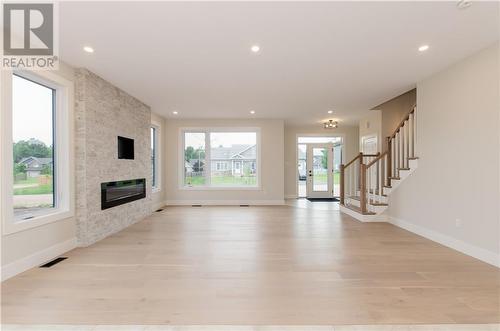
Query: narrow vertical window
194	158
153	157
33	113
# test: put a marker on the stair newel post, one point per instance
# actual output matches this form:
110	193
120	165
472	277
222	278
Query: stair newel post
342	173
389	160
359	166
362	193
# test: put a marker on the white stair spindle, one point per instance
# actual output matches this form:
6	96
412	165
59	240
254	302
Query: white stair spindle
380	179
401	149
402	146
415	132
393	160
410	127
407	125
398	157
385	173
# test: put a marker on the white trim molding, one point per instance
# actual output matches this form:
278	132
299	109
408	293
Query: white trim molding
456	244
38	258
64	151
158	156
224	202
208	162
157	205
363	218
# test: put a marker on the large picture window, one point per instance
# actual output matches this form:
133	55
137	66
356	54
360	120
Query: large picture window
222	159
33	106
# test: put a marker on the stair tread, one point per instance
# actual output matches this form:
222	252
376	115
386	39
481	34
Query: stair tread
358	198
358	210
378	204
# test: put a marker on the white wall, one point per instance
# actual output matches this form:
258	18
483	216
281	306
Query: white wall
25	249
351	148
458	170
272	164
158	197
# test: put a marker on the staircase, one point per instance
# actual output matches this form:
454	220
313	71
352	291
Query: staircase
367	181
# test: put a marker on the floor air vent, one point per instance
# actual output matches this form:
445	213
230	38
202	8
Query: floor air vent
195	205
53	262
159	210
244	205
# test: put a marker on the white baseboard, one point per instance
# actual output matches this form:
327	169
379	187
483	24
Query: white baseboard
291	196
157	205
364	218
37	259
224	202
458	245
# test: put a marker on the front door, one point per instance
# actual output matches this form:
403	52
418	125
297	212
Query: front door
319	164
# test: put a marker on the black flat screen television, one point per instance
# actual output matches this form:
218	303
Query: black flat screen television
125	148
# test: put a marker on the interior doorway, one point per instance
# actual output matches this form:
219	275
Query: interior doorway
369	144
318	166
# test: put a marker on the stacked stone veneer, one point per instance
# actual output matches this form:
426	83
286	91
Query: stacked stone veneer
104	112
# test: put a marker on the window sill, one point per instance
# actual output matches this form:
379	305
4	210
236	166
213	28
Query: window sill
21	225
220	188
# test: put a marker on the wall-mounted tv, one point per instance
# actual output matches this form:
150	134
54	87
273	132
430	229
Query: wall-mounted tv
125	148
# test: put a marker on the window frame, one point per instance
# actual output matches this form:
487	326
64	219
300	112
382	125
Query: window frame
208	166
63	132
157	157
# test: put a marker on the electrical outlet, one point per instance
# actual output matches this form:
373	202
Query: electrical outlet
458	222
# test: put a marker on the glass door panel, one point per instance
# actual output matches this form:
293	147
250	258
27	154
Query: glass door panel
320	169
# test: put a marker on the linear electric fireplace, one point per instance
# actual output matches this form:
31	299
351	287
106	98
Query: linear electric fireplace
118	193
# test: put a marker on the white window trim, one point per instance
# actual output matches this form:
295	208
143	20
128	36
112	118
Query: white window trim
207	186
324	134
64	153
158	164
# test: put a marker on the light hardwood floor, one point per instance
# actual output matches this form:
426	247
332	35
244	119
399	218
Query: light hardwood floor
257	265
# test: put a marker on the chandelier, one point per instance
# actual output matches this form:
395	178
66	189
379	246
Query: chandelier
330	124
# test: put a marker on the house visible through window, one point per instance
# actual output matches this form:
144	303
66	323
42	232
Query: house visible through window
33	107
194	158
230	162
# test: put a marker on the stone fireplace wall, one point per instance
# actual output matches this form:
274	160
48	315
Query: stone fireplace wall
103	112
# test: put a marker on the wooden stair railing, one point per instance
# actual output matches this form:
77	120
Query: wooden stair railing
367	175
376	174
353	178
401	145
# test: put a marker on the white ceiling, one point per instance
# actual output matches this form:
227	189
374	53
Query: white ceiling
195	57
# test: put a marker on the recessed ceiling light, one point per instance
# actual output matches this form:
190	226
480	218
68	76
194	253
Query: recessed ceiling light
252	111
175	112
423	48
88	49
462	4
255	48
330	112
